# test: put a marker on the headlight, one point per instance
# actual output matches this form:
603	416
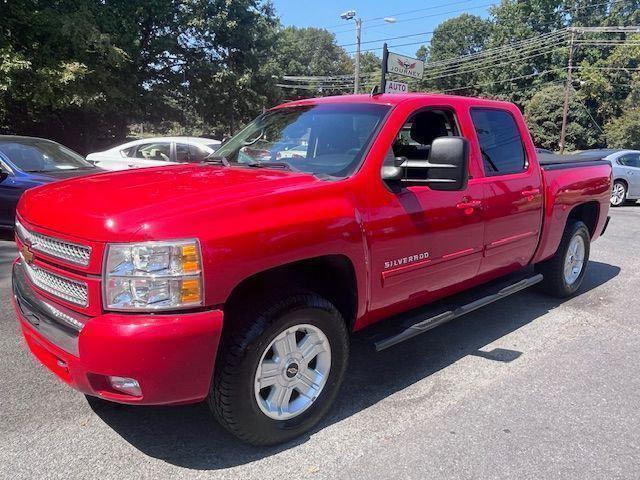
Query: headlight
153	275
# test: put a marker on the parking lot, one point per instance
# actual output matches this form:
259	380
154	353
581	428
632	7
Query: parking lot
530	387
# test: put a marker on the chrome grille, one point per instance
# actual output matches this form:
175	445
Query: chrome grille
71	290
71	252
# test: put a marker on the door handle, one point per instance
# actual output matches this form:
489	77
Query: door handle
530	192
469	204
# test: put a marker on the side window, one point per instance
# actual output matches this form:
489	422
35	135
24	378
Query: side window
191	153
182	152
418	133
129	152
154	151
630	160
500	142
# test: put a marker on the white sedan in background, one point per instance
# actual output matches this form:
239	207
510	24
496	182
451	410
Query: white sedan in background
151	152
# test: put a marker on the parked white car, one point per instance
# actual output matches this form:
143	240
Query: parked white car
150	152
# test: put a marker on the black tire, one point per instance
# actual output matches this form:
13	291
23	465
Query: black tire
554	282
619	184
232	396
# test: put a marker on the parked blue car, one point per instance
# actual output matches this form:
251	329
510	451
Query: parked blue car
27	162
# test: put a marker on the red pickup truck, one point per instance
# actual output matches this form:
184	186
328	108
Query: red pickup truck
239	281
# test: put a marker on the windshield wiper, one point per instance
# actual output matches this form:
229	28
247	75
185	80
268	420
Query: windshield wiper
213	158
284	165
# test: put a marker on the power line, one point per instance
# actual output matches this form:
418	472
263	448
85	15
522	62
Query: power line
561	11
388	38
365	26
373	19
521	77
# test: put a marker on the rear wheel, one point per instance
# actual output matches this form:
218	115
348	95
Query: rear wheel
278	375
563	273
618	193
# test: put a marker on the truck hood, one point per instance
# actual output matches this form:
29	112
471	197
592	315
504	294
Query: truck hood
115	206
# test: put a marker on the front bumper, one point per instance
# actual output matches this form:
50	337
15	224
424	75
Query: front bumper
171	356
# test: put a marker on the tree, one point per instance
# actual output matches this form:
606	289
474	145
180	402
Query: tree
544	117
370	69
311	52
624	131
463	35
81	71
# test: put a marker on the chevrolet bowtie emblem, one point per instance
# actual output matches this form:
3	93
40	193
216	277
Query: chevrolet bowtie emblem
26	253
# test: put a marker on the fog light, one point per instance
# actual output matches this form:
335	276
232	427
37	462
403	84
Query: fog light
126	385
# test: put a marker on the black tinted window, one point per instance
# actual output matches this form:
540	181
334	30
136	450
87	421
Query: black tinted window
192	153
500	142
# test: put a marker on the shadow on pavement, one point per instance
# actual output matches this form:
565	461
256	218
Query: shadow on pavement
187	436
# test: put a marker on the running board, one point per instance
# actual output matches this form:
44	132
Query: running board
426	324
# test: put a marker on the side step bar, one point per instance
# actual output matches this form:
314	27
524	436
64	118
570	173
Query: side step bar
428	323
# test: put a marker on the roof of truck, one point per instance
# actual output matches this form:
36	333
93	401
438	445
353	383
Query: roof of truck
395	99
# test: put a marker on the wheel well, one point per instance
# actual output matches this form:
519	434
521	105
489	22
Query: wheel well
622	180
587	213
331	276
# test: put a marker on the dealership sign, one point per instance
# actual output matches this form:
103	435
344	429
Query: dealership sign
396	87
406	66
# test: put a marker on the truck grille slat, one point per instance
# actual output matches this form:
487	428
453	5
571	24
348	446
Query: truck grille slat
68	251
71	290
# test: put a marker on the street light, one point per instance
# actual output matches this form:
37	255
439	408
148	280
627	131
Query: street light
351	15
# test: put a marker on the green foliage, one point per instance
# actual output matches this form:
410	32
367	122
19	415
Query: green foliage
310	52
606	82
544	117
624	131
459	36
80	71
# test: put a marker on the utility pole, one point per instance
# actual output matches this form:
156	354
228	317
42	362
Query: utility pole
356	83
567	89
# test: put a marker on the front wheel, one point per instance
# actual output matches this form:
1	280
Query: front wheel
618	193
563	273
279	373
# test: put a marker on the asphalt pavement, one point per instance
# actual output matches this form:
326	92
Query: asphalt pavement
530	387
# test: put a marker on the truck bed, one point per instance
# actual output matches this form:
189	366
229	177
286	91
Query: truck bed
568	182
552	161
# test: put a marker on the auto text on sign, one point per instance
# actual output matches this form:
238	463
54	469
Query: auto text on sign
396	87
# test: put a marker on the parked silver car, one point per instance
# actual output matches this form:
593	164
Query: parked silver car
626	176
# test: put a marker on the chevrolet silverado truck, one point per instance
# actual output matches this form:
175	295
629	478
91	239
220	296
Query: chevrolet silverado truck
240	281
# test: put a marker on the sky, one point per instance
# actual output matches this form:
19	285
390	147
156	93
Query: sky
414	19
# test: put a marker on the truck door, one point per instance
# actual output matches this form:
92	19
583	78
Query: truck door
513	191
421	240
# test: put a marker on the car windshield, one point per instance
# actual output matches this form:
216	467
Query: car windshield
327	140
37	155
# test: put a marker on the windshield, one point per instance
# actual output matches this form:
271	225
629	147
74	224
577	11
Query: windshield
36	155
324	140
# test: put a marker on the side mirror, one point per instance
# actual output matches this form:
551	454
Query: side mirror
447	168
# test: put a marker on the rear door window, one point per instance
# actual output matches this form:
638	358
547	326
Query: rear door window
630	160
192	153
154	151
500	142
